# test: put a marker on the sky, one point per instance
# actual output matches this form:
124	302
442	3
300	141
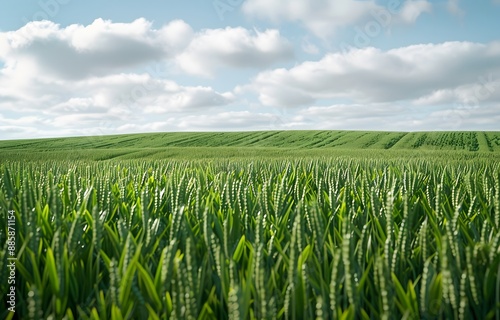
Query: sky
81	68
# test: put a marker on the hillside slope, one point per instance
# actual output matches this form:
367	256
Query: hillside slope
467	141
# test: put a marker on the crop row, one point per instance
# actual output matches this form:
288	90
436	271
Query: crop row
253	239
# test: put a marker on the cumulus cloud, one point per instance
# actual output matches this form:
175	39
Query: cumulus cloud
399	117
234	47
109	76
356	116
412	9
368	75
486	89
189	98
232	120
105	47
78	51
105	105
324	17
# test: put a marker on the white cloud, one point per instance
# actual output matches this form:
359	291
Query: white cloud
47	50
323	17
485	118
108	105
78	105
77	51
412	9
453	7
154	126
399	117
485	89
372	75
188	98
233	47
309	47
233	120
129	93
347	111
110	77
107	77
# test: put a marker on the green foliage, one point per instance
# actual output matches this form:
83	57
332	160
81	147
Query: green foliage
270	144
337	238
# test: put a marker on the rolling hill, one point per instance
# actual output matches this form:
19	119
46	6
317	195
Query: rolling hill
249	144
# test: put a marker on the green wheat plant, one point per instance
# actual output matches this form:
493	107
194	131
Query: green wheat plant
325	238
